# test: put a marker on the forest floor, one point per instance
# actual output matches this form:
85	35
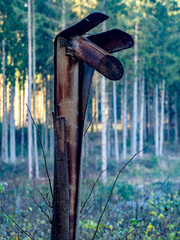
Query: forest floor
145	203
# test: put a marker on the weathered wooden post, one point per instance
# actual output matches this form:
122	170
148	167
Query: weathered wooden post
76	57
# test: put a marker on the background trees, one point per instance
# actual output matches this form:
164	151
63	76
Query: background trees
145	102
155	27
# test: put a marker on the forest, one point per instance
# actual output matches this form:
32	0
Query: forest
136	117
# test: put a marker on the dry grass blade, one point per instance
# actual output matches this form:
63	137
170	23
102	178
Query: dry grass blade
42	148
92	189
89	124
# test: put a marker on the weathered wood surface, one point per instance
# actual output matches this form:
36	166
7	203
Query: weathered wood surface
67	104
112	41
96	57
85	25
60	220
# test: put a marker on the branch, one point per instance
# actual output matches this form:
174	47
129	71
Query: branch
120	171
87	209
89	125
25	232
92	189
40	208
41	194
127	234
44	156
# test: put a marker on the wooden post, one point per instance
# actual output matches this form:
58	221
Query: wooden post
75	60
60	221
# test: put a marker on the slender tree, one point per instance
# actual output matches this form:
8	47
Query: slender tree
5	118
135	93
115	122
156	120
12	129
125	118
34	89
161	141
30	170
141	138
103	118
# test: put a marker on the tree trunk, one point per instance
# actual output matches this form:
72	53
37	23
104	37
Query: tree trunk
168	121
115	122
96	102
22	123
104	129
5	118
176	121
46	120
135	93
141	138
51	124
34	93
63	14
60	225
125	118
12	129
30	170
162	120
103	119
156	128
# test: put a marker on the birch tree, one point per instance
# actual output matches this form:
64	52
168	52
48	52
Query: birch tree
156	120
135	93
34	90
103	119
5	118
125	118
161	142
176	121
115	122
141	137
12	129
30	171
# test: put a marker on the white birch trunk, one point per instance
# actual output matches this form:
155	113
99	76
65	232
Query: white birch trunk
156	129
22	126
52	129
5	118
96	102
46	119
30	170
63	14
135	95
141	125
103	118
104	130
176	121
125	118
34	93
12	129
115	122
162	120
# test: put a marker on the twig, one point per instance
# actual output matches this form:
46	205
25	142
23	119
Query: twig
127	234
40	208
120	171
92	189
42	148
89	125
87	209
41	194
25	232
